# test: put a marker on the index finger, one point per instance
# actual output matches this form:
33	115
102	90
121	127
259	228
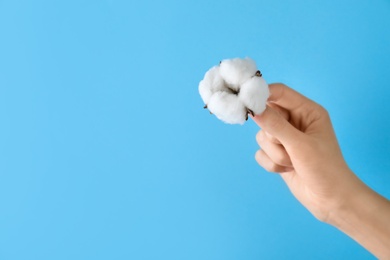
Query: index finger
286	97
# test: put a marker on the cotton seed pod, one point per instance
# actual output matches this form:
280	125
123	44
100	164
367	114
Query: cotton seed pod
211	83
236	71
254	94
233	90
227	107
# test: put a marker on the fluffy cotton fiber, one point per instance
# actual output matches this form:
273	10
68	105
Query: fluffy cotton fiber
233	90
227	107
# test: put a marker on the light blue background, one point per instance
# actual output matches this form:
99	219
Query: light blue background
106	152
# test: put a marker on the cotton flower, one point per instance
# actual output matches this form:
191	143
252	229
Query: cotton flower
233	90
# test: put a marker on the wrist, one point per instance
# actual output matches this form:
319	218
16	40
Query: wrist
350	203
343	198
364	216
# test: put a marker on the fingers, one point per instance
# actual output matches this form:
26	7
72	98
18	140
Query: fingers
273	157
277	126
284	113
287	98
264	160
275	151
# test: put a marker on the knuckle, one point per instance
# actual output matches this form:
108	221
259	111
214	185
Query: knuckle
273	167
260	136
276	124
280	157
272	139
322	111
283	160
268	164
321	108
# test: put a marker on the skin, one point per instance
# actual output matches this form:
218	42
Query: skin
297	140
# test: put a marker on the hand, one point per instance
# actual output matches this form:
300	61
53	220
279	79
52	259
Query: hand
298	141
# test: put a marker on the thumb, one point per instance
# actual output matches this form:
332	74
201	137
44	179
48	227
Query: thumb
276	125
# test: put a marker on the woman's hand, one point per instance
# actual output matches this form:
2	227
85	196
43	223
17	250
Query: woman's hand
297	140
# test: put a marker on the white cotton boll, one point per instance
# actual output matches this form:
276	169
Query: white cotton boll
254	94
205	91
237	71
228	108
205	86
233	90
211	83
